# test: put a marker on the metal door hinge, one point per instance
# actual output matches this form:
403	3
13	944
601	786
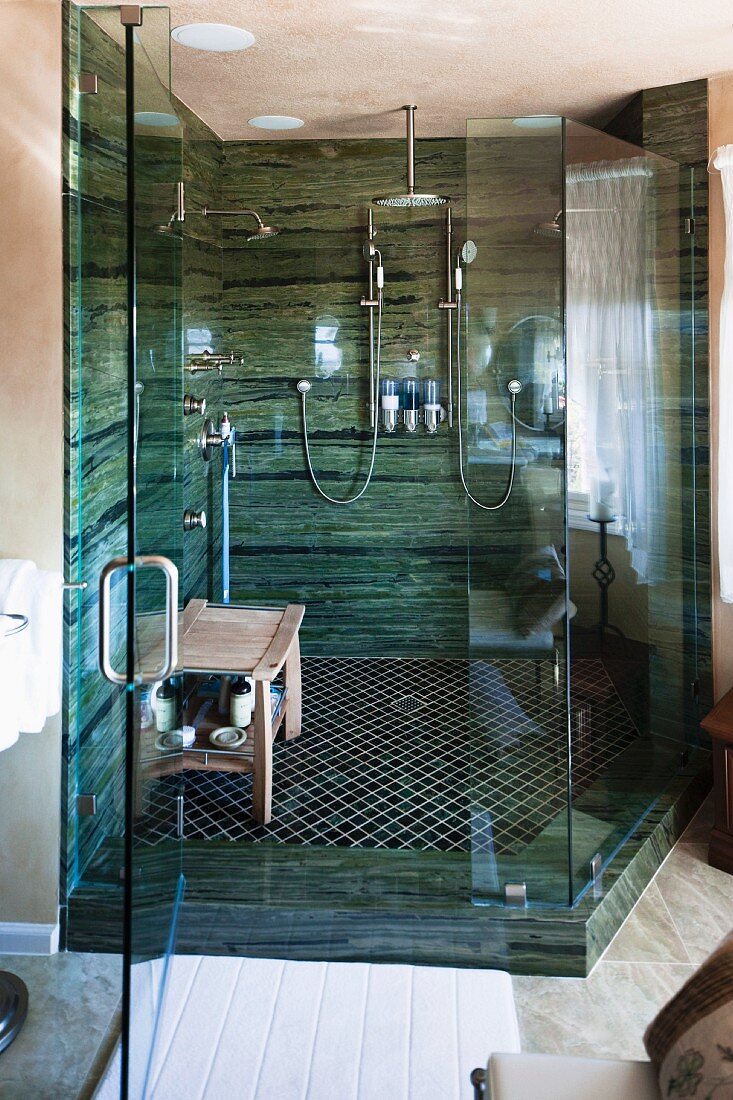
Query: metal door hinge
515	893
131	15
180	201
695	691
88	83
86	805
179	815
690	226
596	875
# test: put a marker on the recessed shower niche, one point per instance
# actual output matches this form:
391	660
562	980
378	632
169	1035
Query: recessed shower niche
455	447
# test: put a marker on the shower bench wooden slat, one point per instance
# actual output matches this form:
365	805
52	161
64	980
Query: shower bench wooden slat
257	642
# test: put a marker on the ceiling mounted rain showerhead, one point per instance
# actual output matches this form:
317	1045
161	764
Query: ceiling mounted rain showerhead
411	197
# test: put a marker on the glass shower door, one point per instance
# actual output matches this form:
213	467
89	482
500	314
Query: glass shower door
153	864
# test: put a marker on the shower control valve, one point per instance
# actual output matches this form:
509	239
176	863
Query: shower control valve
193	404
208	439
191	520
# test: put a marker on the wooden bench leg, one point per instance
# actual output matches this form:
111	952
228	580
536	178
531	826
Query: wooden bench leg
294	699
262	777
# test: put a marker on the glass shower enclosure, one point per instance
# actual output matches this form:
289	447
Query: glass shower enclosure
494	698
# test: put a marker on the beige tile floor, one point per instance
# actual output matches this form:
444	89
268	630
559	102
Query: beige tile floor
681	916
678	920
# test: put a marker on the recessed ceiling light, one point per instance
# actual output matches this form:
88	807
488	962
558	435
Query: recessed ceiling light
537	122
156	118
216	37
276	122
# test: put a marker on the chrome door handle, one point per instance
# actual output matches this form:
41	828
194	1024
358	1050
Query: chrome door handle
170	663
105	581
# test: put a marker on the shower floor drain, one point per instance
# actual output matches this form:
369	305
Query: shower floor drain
409	703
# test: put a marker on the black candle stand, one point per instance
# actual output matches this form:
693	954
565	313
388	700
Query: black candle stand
604	575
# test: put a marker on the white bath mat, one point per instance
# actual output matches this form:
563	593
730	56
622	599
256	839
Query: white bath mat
264	1029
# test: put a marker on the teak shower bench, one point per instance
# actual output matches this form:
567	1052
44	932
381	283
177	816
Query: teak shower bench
237	641
257	642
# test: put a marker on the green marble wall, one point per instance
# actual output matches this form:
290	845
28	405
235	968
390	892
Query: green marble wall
387	575
202	328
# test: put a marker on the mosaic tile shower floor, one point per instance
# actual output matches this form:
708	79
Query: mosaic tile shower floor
411	754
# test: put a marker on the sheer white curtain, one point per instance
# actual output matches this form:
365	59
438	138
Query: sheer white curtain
723	160
612	368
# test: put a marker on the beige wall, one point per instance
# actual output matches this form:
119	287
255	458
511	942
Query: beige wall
31	482
720	130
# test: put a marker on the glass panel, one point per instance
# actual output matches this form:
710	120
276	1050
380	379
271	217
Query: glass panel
156	792
511	330
97	432
629	461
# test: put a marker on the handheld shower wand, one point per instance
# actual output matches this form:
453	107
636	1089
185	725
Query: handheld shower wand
514	386
303	387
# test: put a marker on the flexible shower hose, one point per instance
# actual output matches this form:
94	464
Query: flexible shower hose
510	485
304	395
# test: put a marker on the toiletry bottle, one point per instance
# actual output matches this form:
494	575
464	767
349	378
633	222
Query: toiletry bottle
240	703
165	707
147	718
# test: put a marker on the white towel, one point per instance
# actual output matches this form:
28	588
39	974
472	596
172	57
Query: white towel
30	662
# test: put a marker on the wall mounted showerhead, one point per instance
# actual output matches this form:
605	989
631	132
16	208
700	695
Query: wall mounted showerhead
303	386
263	231
514	387
411	197
549	229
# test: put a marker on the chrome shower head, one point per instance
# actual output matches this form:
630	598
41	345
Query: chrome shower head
549	229
263	231
469	252
411	198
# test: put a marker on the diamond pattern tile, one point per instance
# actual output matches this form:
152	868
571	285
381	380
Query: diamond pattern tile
414	753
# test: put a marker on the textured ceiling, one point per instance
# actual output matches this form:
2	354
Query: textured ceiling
345	65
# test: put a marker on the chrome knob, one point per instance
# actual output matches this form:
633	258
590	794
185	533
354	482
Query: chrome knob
193	405
193	519
413	355
208	439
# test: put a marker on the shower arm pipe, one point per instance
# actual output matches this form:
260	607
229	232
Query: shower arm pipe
449	304
208	213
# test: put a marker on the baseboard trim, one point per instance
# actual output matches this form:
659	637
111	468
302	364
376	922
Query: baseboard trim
28	938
